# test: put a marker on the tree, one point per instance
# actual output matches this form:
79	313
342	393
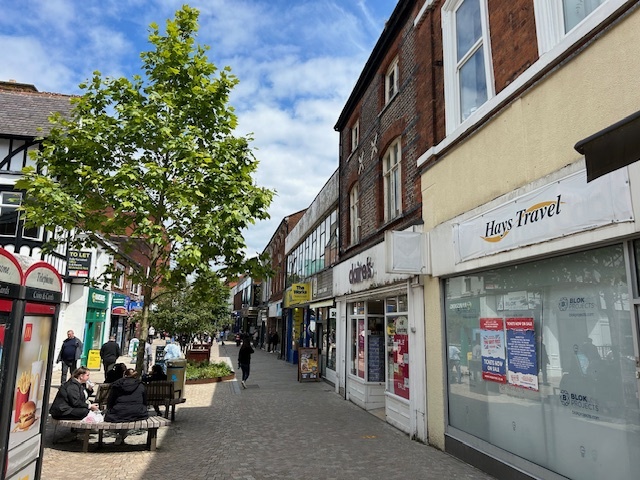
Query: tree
190	311
153	163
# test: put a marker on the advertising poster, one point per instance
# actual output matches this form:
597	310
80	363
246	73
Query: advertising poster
308	364
492	350
521	353
401	365
30	380
1	342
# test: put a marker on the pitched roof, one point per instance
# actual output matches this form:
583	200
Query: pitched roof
22	111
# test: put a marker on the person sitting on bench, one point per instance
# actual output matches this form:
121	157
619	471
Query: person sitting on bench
127	402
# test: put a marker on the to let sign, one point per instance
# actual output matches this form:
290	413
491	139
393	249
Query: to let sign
78	264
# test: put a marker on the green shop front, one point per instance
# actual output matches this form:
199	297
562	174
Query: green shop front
94	336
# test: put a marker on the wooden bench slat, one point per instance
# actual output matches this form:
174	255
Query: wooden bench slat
150	424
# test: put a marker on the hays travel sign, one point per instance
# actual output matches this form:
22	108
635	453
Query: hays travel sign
557	209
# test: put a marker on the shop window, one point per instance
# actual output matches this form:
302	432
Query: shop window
397	322
367	341
467	58
545	355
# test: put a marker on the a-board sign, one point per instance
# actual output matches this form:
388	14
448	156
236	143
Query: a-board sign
308	365
160	355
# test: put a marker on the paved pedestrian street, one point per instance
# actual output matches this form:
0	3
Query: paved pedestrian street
276	428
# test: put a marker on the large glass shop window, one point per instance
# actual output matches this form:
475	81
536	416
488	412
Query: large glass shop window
541	361
397	320
367	340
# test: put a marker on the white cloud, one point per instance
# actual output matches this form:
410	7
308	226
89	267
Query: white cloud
297	62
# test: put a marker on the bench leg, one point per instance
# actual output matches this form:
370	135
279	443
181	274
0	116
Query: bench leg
85	441
173	412
100	436
151	438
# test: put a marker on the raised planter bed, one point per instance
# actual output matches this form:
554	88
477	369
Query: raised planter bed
197	381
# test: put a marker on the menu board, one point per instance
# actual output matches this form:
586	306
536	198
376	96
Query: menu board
376	360
308	367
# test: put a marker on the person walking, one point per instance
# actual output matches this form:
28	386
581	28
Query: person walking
109	353
148	355
127	402
274	341
244	359
70	353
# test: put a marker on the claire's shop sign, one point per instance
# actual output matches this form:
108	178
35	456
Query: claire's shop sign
361	271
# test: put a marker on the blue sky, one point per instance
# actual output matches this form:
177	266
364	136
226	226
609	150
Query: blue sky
297	62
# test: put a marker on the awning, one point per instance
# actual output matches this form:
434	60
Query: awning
323	303
612	148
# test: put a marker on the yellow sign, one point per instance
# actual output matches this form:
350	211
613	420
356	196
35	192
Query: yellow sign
298	293
93	360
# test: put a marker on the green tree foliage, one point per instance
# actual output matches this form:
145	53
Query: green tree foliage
197	308
153	164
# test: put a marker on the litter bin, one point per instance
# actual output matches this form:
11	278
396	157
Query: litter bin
177	373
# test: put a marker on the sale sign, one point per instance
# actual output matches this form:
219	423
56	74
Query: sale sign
493	350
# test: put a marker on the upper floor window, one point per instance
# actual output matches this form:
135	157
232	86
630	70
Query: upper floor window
391	81
355	135
120	275
467	57
9	215
354	215
392	182
555	19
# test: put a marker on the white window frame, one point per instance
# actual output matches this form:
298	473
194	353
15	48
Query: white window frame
11	207
120	281
550	28
391	81
355	135
392	175
354	214
451	64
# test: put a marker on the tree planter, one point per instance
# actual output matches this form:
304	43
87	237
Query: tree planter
196	381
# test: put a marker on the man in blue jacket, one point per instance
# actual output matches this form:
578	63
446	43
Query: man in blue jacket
69	355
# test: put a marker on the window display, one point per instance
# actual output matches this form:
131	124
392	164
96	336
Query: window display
546	360
397	346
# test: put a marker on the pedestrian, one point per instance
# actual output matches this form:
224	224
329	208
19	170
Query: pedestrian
116	373
152	332
244	359
269	340
109	353
70	353
255	338
274	341
148	354
72	400
171	351
127	402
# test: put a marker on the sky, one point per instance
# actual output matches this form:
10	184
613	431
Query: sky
297	62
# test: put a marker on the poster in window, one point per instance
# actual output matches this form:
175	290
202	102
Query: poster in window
401	365
521	353
493	350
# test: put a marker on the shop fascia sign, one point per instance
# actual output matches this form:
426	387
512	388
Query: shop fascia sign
120	304
566	206
361	271
297	294
98	298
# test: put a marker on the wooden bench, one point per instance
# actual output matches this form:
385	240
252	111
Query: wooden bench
151	424
159	393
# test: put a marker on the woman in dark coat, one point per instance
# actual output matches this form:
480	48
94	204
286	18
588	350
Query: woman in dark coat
71	402
127	401
244	359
